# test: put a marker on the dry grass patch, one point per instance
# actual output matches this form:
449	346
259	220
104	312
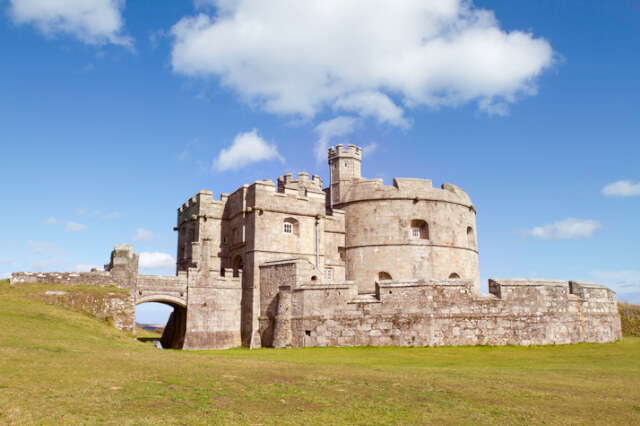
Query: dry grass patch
629	319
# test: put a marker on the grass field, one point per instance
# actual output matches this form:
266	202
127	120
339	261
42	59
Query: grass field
60	366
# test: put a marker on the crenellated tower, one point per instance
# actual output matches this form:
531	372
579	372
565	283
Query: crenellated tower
345	167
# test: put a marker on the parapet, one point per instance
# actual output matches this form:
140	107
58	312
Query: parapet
352	151
303	183
592	291
408	189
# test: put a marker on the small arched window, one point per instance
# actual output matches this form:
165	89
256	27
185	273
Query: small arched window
471	238
419	229
290	226
454	275
384	275
346	164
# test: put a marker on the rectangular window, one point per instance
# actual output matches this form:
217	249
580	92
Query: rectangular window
287	228
328	274
415	232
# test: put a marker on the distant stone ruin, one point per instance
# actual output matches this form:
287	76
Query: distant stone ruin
290	264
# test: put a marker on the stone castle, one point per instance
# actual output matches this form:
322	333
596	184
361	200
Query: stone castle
290	264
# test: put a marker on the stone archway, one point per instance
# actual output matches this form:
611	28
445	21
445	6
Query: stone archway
176	327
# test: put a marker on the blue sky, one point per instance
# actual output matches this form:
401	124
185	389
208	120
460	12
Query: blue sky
114	114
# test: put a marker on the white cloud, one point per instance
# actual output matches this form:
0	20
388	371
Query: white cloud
622	188
5	275
74	227
374	104
95	22
369	149
38	247
246	148
157	261
568	229
80	267
81	211
113	215
51	221
625	283
295	57
143	235
330	129
40	265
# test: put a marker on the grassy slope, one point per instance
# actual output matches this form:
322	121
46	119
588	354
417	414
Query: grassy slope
629	319
60	366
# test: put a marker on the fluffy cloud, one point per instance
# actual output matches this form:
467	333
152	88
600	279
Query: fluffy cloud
246	148
330	129
157	260
74	227
38	247
374	104
568	229
142	235
294	57
95	22
622	188
51	221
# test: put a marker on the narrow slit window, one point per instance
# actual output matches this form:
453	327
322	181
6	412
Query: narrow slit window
328	274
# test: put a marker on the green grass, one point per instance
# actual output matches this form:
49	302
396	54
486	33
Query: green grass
147	334
60	366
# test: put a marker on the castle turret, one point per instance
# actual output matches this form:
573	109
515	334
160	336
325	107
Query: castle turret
345	167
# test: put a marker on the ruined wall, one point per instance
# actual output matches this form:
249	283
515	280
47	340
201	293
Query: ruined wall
98	278
116	307
439	312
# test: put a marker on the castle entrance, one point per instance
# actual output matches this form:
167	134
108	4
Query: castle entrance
162	321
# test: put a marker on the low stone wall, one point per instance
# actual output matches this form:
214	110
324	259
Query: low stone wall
100	278
447	312
115	307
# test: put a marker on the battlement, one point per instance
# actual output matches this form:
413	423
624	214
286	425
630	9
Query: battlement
339	152
302	183
406	188
427	312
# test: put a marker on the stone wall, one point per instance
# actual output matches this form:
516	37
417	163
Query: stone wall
213	312
115	307
437	312
71	278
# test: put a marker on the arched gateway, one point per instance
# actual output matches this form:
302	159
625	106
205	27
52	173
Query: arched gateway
206	306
